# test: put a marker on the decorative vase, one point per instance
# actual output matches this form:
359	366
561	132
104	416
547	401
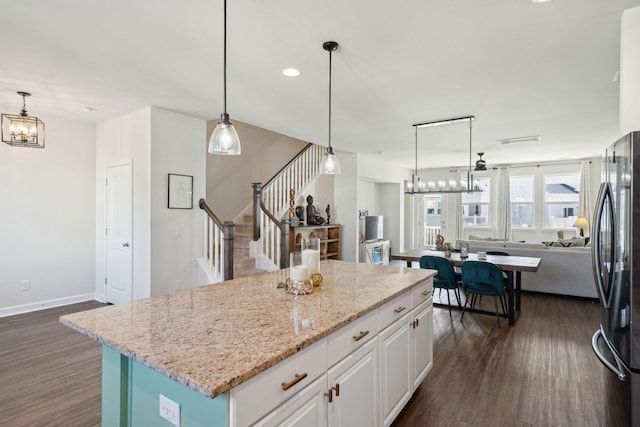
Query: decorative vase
447	254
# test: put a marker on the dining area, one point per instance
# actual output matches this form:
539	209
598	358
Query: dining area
496	275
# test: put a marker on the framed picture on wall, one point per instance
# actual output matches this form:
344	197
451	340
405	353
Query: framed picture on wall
180	191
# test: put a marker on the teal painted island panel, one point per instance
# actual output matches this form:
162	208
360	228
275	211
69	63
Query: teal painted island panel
131	397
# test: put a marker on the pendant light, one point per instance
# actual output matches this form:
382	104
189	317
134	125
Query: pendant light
330	164
468	185
23	130
224	139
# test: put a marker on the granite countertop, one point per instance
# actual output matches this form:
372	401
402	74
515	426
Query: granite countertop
214	337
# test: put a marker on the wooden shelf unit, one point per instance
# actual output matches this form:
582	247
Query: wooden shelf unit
330	246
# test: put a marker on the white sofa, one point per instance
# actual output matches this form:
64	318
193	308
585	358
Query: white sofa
564	271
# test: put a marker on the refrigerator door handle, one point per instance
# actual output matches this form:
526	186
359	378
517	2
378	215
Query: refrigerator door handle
603	195
618	369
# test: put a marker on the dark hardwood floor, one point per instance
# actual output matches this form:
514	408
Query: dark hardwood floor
541	372
50	375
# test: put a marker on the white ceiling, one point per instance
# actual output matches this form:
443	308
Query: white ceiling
520	68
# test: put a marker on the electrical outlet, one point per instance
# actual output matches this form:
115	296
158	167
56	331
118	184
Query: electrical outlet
25	285
178	284
170	410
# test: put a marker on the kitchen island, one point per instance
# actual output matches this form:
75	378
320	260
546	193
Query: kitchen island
240	352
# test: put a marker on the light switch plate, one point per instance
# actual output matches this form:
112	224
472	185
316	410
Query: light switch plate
170	410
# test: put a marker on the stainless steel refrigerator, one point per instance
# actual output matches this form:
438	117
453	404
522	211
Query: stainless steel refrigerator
616	268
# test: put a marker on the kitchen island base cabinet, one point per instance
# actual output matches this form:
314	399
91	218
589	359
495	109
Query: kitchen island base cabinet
131	396
395	363
406	356
357	364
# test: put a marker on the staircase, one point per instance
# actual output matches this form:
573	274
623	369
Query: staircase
243	264
228	247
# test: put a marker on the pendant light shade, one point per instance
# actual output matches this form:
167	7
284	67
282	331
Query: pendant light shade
224	139
330	164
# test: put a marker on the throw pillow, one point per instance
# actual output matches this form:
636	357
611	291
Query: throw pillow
487	239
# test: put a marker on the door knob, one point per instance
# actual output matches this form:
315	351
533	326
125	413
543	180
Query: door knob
125	244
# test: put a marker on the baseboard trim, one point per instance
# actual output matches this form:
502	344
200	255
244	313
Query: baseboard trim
41	305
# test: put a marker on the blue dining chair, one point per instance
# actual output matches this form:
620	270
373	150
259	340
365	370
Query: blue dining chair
483	278
446	278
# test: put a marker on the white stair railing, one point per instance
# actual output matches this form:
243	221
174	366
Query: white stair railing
218	245
271	202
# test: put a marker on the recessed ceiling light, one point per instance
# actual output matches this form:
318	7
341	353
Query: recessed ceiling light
541	1
534	138
291	72
89	109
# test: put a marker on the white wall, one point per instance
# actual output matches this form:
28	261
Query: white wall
159	142
630	71
176	234
47	217
369	183
126	138
264	153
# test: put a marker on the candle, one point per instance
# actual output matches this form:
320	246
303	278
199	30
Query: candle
299	273
311	259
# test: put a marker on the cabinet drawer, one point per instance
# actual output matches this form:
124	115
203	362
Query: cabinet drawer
421	293
395	309
262	393
352	337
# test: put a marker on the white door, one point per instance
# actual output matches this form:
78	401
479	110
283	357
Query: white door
118	230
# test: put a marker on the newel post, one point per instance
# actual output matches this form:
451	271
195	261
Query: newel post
229	226
284	244
257	194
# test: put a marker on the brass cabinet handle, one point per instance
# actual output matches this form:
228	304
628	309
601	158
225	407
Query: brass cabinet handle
417	322
329	394
399	309
426	293
296	379
358	338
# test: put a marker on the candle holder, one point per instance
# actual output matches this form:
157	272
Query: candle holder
298	282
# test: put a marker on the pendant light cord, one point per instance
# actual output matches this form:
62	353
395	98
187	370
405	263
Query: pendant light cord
224	92
330	67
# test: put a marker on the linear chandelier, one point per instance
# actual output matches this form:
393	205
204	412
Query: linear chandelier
23	130
417	186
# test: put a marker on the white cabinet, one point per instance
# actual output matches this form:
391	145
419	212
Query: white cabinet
308	408
406	354
395	368
353	383
422	342
361	375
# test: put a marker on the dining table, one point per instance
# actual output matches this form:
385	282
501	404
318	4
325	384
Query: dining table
513	266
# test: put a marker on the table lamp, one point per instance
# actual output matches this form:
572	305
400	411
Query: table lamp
581	223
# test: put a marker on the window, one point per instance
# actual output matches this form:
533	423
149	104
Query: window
475	206
522	196
561	193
